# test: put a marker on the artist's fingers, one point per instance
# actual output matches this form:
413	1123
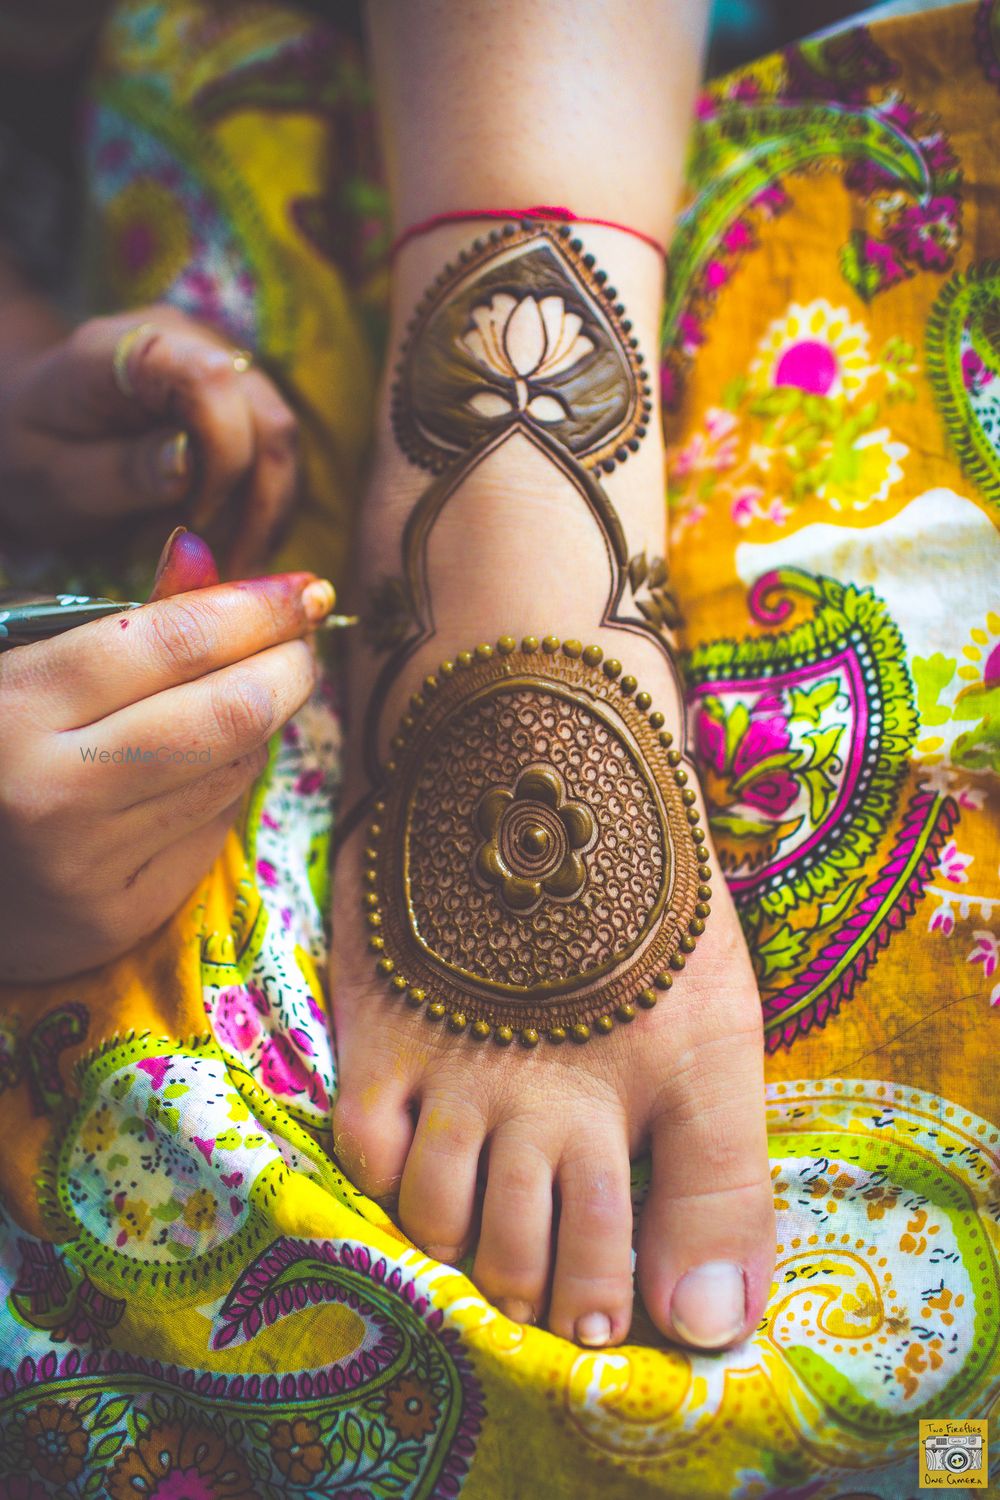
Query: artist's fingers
85	388
158	882
186	563
94	671
121	375
194	733
182	376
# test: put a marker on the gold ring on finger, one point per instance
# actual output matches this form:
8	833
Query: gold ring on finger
120	358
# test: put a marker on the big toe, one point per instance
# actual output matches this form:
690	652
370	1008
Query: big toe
706	1240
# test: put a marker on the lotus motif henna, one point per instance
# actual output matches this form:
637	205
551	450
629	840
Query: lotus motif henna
524	330
525	342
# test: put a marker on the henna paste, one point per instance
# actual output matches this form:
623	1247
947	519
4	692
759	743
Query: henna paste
533	864
524	330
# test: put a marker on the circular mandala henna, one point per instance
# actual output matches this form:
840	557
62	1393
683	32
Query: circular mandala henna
532	866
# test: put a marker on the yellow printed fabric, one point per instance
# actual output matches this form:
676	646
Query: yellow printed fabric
194	1300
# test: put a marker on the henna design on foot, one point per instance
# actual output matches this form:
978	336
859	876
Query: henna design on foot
534	864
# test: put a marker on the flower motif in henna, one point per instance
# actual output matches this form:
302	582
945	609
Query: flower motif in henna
534	840
525	342
537	822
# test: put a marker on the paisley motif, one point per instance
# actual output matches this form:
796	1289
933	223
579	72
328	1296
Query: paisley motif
131	1194
804	738
394	1409
825	109
963	363
153	1219
882	1309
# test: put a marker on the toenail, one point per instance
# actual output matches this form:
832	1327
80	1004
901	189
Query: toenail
594	1330
448	1255
516	1310
709	1306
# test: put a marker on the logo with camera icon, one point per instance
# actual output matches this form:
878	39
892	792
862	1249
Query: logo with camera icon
954	1455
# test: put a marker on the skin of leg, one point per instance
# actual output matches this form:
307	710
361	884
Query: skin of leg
420	1109
552	1129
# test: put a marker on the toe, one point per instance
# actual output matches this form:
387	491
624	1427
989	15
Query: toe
592	1287
706	1240
438	1193
372	1131
514	1252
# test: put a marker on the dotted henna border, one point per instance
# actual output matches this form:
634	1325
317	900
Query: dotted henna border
474	1017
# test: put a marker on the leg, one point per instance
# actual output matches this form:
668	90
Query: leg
520	534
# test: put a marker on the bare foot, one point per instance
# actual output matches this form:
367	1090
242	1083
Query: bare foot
534	969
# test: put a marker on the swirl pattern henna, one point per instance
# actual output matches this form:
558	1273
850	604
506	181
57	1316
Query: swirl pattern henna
535	863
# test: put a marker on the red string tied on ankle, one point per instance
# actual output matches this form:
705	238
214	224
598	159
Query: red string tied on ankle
544	211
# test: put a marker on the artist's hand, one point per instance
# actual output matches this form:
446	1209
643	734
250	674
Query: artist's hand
180	424
96	853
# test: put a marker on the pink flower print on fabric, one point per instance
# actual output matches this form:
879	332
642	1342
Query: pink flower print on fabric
991	671
746	504
185	1484
769	788
810	365
237	1018
310	782
710	452
987	952
953	865
157	1068
282	1068
942	920
285	1072
976	374
928	234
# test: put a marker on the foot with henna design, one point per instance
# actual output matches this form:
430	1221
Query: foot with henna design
537	970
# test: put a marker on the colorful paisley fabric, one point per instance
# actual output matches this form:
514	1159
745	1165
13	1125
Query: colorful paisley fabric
194	1301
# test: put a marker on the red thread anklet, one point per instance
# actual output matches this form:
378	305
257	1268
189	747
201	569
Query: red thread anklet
539	211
